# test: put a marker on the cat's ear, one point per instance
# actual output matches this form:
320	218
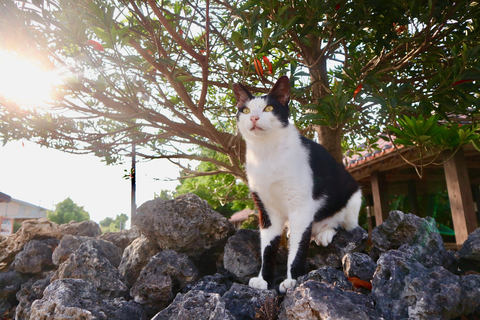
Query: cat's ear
241	94
281	90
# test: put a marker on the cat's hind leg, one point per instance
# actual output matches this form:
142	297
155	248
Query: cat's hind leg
351	211
271	228
324	237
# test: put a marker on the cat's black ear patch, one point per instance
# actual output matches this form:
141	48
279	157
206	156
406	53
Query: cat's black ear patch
241	94
281	90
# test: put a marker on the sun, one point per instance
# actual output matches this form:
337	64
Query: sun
25	82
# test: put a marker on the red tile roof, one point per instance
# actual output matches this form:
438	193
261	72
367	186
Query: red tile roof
384	147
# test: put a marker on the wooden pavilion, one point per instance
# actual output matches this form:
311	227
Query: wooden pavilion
386	170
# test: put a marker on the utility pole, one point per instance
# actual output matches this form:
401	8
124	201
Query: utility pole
133	209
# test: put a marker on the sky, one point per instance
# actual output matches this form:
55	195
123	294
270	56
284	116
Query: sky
45	177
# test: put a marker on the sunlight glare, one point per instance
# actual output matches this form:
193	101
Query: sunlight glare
25	82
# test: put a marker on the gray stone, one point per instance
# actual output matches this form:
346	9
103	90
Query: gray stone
186	224
36	256
217	283
68	244
31	290
408	232
88	263
71	243
86	228
165	274
245	302
342	243
30	229
79	299
320	300
238	302
135	257
121	239
327	275
10	282
242	254
195	304
405	288
358	265
469	254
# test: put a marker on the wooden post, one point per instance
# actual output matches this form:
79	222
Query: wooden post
379	202
460	196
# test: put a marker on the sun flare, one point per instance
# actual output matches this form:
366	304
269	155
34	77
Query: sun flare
25	82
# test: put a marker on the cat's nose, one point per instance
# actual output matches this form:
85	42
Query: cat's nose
254	118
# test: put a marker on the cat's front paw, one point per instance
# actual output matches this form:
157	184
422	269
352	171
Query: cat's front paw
258	283
325	237
287	284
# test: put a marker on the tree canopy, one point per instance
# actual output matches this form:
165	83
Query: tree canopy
114	224
160	74
223	192
67	211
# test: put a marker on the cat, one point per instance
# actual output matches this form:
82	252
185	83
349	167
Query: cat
291	178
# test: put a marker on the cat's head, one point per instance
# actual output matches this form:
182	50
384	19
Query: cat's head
263	116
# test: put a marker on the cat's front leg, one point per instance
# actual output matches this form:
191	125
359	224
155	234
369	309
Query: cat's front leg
300	233
271	227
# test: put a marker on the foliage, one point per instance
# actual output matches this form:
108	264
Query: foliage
434	204
67	211
370	62
159	74
114	225
165	195
250	223
223	192
137	72
16	225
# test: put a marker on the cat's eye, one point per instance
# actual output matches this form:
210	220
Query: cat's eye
268	109
246	110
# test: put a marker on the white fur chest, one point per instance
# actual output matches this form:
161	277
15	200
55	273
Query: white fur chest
278	169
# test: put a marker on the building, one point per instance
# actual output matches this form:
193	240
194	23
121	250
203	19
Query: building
396	170
13	210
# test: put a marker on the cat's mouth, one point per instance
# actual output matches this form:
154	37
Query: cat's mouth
255	127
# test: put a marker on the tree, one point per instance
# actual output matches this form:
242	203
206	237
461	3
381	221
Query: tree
67	211
391	58
165	195
223	192
159	74
142	73
114	225
106	222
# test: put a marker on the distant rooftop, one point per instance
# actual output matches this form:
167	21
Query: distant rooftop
4	197
384	147
18	209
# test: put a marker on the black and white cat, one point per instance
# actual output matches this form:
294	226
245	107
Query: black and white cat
292	179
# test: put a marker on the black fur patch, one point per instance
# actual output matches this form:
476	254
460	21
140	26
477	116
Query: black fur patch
264	219
330	179
280	111
268	260
240	110
298	265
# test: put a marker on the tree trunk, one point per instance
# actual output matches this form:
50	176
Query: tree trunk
330	138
